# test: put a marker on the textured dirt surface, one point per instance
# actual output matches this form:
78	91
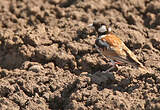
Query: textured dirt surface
48	59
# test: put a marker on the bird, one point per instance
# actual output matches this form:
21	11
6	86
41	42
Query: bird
113	48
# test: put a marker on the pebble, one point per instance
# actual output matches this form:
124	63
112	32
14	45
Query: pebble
36	68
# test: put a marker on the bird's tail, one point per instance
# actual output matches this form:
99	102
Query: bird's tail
135	61
143	69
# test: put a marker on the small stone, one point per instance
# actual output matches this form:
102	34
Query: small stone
36	68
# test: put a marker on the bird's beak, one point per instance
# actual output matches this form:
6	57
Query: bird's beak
90	25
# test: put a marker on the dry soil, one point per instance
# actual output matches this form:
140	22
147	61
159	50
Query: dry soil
48	60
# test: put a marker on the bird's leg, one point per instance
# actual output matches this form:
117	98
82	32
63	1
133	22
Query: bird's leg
116	63
113	65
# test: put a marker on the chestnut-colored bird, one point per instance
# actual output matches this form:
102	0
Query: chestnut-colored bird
113	48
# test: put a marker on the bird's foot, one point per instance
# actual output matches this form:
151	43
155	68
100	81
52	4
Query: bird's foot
108	70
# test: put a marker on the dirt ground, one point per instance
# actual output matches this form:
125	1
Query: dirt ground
48	60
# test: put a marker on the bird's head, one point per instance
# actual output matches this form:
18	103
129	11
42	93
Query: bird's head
100	28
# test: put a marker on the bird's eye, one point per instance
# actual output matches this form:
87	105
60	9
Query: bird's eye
102	29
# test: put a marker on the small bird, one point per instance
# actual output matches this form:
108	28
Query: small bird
113	48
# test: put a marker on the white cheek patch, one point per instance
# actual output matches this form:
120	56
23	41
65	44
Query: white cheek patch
102	29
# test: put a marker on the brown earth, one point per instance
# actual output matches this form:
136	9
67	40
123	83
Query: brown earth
48	59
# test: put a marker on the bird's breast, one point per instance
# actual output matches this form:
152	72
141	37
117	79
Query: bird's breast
102	44
112	40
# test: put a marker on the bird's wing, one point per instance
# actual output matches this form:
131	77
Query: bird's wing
131	56
118	51
121	52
